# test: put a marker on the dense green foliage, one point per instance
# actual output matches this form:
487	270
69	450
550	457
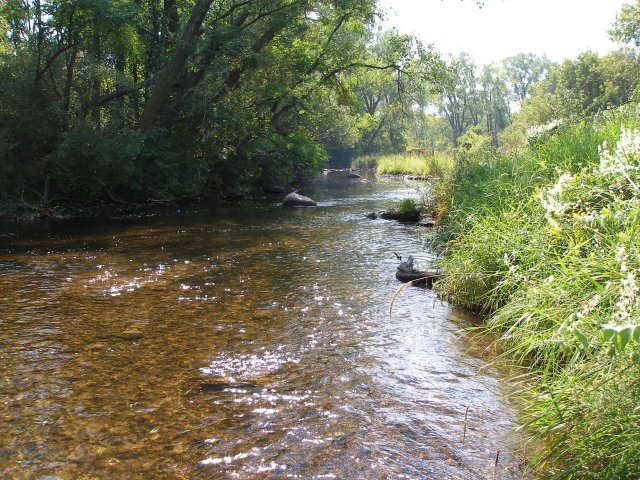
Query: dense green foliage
576	89
126	100
541	235
129	101
625	28
545	241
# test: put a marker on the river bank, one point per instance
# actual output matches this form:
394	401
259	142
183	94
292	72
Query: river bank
544	242
73	210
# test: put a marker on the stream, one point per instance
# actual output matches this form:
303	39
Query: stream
243	341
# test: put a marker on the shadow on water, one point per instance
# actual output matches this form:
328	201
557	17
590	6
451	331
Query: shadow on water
241	342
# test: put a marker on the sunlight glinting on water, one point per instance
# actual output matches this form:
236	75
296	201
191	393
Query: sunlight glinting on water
252	344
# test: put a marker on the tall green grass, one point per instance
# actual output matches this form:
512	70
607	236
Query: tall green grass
547	244
365	161
438	165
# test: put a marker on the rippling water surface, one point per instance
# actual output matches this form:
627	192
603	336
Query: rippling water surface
247	341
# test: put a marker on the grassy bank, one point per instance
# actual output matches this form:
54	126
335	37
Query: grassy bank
547	243
437	165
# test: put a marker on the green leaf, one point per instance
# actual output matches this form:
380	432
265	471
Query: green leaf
608	333
636	333
624	335
582	337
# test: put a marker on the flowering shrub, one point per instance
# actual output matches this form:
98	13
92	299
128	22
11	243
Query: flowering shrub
595	194
595	206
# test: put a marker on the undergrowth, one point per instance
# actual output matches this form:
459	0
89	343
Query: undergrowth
545	242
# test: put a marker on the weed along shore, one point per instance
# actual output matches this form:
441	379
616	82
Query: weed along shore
545	243
542	241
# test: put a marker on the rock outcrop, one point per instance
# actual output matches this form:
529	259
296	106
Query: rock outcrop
410	216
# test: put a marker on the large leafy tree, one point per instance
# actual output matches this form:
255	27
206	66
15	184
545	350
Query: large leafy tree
626	27
580	87
388	86
461	100
128	99
523	70
495	100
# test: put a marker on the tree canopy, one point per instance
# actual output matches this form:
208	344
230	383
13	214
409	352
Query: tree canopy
132	100
129	99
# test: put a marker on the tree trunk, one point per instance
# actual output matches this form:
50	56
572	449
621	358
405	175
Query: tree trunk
167	78
374	135
66	103
136	94
97	53
45	194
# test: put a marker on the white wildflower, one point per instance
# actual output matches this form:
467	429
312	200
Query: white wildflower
550	200
624	160
628	299
590	306
538	130
513	269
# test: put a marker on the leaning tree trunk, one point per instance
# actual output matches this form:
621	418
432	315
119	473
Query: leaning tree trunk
172	70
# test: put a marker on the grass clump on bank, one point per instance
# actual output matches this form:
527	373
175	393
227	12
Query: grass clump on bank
546	243
438	165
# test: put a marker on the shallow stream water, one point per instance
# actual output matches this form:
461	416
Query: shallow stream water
243	341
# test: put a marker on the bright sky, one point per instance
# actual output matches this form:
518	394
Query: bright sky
560	28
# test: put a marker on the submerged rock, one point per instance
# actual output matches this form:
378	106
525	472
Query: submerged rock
407	272
221	385
296	200
427	222
353	175
418	177
410	216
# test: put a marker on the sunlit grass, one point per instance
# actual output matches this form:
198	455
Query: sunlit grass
438	165
365	161
551	277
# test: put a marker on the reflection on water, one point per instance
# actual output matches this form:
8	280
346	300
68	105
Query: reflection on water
242	342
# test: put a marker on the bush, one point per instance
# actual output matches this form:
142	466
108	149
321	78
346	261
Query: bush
283	159
408	207
91	163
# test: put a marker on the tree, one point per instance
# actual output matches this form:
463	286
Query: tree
523	70
626	28
388	86
495	99
460	102
171	95
577	88
621	75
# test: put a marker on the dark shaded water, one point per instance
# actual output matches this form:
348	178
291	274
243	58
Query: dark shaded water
242	342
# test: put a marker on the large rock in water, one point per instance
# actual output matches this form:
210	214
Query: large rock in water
407	272
410	216
296	200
